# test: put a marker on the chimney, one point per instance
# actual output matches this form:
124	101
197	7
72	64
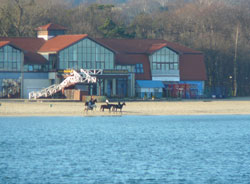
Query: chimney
50	30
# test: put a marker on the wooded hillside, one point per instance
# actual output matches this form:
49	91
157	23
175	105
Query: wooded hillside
219	28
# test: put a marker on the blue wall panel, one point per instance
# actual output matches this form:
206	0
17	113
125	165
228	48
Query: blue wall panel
36	75
14	75
9	75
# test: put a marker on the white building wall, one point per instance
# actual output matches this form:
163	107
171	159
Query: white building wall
166	78
45	37
149	90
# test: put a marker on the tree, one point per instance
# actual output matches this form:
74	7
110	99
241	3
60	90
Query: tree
111	30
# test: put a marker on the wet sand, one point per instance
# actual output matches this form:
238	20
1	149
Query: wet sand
183	107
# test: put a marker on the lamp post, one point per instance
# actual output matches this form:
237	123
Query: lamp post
21	68
231	85
235	85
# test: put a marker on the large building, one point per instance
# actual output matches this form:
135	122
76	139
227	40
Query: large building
131	67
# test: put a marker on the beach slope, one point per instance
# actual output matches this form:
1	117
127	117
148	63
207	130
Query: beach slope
183	107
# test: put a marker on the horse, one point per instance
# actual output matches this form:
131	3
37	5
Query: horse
107	106
112	106
90	105
118	106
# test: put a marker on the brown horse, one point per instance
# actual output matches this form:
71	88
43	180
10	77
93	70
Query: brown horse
118	106
108	106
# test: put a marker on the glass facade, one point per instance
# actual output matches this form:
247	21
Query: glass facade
10	58
130	68
35	68
164	60
52	62
86	54
122	87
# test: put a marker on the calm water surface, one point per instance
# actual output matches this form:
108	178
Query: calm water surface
127	149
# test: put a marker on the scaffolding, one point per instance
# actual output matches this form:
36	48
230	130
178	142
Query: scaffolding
85	76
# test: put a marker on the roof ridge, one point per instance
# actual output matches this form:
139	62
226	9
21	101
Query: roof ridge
51	26
72	35
131	39
3	43
10	37
60	42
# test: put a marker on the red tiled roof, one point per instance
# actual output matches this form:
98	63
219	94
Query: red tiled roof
127	51
134	51
156	47
27	44
125	59
3	43
60	42
34	58
147	46
192	67
50	26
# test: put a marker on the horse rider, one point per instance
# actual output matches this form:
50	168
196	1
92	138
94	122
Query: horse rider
107	101
91	103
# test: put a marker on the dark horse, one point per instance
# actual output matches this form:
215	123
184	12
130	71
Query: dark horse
90	105
118	106
107	106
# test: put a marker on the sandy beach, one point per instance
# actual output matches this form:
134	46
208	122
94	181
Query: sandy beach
183	107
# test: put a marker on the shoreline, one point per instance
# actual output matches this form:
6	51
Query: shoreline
235	106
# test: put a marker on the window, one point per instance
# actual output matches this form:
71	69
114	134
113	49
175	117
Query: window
1	56
88	65
75	54
154	66
171	66
14	65
1	65
73	64
37	67
1	50
139	68
44	68
30	68
156	90
53	61
86	54
158	66
164	60
10	58
100	64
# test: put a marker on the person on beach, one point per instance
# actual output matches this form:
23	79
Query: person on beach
92	103
91	100
107	101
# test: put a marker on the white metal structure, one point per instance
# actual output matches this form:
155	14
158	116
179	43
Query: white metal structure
73	78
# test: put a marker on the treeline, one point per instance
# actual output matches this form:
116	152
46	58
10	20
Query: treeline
219	28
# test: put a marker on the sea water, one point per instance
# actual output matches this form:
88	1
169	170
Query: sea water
126	149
